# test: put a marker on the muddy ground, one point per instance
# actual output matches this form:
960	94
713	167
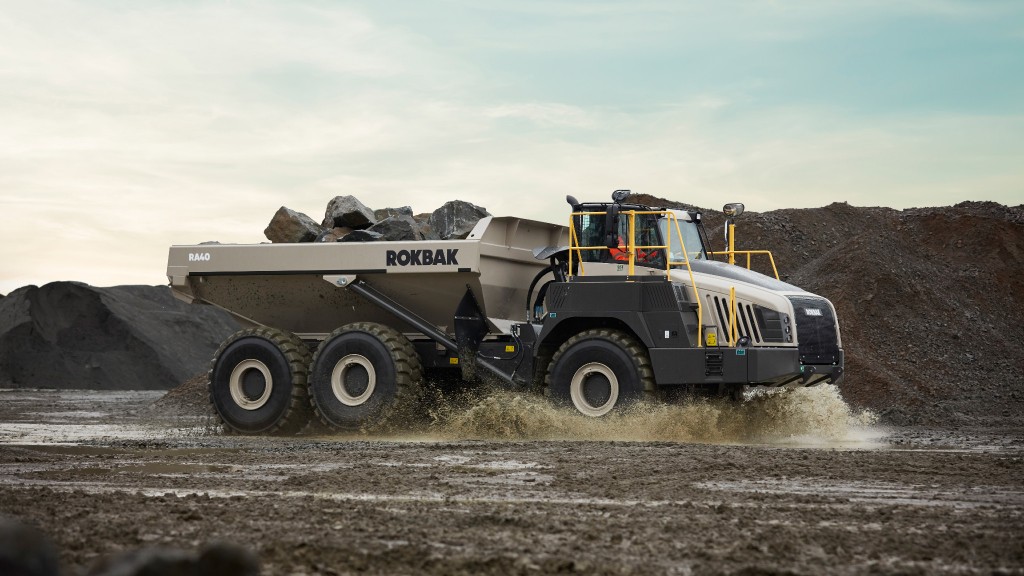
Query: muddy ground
792	484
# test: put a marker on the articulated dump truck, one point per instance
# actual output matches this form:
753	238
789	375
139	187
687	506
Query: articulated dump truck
624	303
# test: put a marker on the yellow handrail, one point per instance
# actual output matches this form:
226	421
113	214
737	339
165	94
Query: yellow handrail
749	253
632	248
575	246
732	316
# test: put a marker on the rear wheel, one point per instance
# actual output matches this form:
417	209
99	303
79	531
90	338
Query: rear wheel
258	382
600	370
359	372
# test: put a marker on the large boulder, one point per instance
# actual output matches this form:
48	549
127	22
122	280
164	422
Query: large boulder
288	225
385	213
397	224
333	234
456	219
425	228
71	335
398	228
361	236
348	211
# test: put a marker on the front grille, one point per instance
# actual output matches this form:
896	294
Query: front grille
746	324
815	330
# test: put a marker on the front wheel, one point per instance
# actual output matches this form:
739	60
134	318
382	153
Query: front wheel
600	370
258	382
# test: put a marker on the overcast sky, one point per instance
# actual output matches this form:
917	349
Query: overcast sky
127	126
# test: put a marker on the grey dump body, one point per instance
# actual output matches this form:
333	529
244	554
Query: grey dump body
487	302
301	288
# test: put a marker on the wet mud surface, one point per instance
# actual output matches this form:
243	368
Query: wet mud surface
504	486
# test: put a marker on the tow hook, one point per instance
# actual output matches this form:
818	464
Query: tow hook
808	372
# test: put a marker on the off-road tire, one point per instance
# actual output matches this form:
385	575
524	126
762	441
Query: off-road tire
258	382
606	360
359	372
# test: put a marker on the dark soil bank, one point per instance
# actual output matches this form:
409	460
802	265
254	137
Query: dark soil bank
70	335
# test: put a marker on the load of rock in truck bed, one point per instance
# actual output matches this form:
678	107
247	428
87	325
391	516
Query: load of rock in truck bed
349	220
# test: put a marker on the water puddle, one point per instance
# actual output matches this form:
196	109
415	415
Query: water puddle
57	434
411	497
164	469
882	493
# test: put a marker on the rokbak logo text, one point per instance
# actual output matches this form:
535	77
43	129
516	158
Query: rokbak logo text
437	257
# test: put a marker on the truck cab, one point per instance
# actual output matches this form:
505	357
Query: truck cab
642	308
656	234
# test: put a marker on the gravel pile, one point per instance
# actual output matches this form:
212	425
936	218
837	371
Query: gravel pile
930	303
71	335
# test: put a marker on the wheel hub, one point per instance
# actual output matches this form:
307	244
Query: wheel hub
353	380
250	384
597	390
594	389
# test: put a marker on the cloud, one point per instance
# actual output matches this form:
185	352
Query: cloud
129	127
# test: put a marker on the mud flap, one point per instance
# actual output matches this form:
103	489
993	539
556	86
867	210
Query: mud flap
470	329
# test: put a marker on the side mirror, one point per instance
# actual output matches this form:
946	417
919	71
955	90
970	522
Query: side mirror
611	226
733	210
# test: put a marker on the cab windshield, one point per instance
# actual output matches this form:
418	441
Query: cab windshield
690	239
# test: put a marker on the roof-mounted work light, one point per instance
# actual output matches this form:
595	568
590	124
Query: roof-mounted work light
733	210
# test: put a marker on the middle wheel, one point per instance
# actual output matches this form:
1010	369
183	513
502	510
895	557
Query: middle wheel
358	372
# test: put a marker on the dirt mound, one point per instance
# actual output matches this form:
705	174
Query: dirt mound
71	335
189	399
930	302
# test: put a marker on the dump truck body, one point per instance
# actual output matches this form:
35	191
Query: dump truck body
294	287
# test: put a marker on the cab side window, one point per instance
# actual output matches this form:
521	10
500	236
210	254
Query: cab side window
591	234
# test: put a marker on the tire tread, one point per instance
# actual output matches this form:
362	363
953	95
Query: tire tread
297	355
636	351
408	368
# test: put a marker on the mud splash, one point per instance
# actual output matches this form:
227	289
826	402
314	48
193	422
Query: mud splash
807	417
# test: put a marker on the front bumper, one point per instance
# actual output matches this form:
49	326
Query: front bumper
755	366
